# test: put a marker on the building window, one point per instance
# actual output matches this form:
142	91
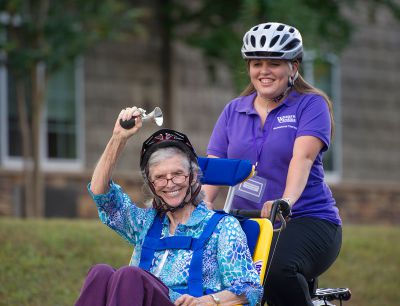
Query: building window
62	132
323	72
61	116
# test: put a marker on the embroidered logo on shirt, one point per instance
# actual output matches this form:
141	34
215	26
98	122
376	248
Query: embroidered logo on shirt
287	118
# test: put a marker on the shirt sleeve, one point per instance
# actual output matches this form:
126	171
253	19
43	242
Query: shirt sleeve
239	275
218	144
117	211
173	295
315	120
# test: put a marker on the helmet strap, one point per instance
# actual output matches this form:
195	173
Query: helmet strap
277	99
291	81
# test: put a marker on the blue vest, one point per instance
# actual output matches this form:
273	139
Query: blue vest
153	242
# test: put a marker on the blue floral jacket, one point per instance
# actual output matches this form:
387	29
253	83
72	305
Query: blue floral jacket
227	263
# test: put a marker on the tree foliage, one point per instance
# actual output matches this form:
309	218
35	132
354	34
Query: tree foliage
217	27
54	32
39	37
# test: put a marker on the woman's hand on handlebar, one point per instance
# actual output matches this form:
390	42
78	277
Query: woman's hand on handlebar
266	209
281	206
126	114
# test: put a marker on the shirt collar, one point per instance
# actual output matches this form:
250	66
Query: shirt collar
291	98
246	104
197	216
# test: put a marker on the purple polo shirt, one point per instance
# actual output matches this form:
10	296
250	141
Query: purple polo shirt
238	134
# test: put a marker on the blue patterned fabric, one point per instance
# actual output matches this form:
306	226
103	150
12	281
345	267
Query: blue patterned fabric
227	263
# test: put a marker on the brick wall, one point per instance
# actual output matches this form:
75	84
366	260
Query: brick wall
368	203
121	75
370	99
358	203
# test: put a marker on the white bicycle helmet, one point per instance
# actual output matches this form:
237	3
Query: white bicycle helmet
272	40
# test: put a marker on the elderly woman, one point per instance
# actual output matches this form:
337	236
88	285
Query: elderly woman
185	254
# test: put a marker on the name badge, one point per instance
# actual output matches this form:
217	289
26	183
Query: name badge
252	189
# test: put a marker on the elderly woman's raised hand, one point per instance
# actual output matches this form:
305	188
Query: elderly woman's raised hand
125	115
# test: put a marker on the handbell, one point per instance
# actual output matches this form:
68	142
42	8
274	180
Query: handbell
155	116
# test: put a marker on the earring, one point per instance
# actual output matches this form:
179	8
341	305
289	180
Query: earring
291	81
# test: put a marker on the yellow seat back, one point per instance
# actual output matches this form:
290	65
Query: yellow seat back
261	252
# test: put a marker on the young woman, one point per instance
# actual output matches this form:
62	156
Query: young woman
283	125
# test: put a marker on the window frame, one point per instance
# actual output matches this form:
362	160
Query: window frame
48	164
335	175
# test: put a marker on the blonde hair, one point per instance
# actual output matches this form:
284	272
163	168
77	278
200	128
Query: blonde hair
303	87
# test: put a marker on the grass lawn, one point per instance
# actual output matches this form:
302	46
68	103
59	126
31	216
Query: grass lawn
43	262
369	264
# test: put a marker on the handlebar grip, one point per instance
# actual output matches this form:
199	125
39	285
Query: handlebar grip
256	213
127	124
279	208
284	207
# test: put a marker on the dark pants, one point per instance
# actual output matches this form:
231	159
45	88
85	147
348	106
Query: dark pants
127	286
306	249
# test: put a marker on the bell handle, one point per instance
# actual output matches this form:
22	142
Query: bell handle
128	124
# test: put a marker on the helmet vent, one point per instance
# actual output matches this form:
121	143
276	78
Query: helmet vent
280	28
291	30
266	27
284	38
263	40
255	28
246	39
264	54
253	41
293	44
273	41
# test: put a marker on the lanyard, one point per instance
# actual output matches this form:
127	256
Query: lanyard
258	150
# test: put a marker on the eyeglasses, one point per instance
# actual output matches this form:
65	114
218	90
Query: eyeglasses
177	179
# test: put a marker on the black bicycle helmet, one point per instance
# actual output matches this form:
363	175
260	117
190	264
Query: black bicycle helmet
166	138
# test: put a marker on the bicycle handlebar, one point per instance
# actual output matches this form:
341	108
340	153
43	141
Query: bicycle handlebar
280	208
256	213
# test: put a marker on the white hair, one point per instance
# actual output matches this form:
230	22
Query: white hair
162	154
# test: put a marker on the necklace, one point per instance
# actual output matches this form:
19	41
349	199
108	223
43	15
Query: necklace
262	105
267	108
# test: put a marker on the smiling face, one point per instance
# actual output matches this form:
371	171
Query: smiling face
171	166
270	76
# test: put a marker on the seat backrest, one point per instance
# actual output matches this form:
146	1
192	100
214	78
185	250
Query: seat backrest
259	234
224	171
252	230
261	252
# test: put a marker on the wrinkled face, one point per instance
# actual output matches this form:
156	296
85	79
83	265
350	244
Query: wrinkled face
170	178
270	77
